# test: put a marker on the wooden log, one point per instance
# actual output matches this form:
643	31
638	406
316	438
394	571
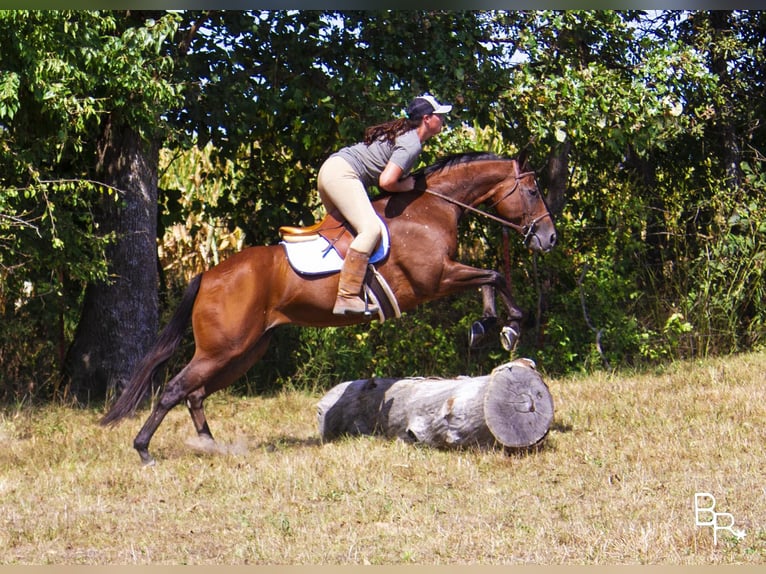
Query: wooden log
511	407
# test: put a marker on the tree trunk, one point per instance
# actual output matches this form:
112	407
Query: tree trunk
729	137
120	318
512	407
557	178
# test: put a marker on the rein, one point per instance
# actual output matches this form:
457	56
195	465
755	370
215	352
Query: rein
525	230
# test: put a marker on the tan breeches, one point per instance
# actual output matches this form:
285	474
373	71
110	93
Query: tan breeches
340	188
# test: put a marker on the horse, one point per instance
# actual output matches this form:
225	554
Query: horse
235	306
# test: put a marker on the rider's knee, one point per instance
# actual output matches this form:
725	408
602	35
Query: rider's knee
367	238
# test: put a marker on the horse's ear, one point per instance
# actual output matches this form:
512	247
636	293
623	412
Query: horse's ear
522	159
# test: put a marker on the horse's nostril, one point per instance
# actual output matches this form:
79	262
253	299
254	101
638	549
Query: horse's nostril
553	239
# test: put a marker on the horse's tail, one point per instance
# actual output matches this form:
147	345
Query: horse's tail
162	350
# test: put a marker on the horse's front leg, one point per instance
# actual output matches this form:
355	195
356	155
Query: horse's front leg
458	277
510	332
488	320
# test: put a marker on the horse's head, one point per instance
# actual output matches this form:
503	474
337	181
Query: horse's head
506	185
518	200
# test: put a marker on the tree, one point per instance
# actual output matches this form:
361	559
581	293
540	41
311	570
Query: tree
102	357
727	210
623	113
250	80
82	93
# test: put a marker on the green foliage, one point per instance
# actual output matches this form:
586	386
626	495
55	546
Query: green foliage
728	302
64	76
279	91
661	235
191	238
592	78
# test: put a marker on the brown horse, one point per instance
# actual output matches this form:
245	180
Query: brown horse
235	306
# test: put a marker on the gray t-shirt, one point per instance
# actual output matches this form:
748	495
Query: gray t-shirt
369	161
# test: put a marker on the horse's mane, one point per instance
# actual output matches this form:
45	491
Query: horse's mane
457	158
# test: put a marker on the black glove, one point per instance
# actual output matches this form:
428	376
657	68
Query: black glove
420	182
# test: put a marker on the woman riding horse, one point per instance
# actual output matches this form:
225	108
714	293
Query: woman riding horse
235	307
384	158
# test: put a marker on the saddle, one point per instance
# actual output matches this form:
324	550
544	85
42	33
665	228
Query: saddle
335	230
321	248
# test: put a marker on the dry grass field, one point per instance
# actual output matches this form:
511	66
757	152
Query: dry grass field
614	483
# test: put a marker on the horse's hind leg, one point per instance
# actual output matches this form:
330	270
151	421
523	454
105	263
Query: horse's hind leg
196	410
175	392
195	399
199	379
186	384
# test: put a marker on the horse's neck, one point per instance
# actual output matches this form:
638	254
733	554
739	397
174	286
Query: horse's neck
472	185
420	208
468	184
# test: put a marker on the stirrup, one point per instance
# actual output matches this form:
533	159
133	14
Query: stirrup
367	311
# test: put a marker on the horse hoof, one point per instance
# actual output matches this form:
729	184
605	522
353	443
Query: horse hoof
508	337
146	458
476	335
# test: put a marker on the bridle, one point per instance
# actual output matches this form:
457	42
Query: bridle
527	231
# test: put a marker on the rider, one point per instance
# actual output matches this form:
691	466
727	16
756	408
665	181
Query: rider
384	158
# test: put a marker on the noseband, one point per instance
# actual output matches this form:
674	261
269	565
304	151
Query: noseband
527	231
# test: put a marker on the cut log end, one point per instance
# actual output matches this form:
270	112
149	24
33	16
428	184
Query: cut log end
518	407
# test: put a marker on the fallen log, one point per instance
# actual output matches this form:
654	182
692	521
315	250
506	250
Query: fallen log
511	407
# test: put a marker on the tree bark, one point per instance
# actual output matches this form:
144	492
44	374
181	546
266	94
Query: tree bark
120	318
512	408
729	137
557	178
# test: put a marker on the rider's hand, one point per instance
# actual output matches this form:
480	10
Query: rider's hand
419	183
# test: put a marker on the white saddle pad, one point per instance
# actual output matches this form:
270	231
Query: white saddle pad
317	256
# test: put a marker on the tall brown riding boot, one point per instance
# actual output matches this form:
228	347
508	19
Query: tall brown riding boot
350	285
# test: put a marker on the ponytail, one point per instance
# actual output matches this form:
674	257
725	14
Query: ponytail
389	131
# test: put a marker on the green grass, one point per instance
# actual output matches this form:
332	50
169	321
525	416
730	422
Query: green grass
614	483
